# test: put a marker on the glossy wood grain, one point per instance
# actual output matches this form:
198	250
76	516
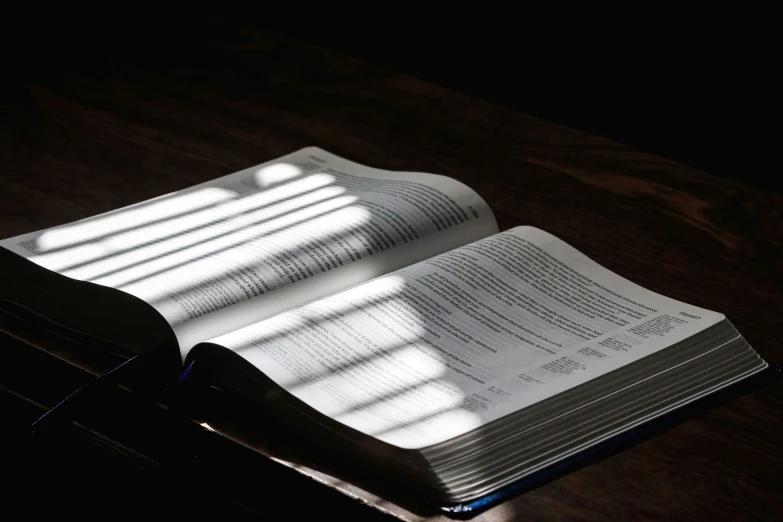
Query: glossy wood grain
98	135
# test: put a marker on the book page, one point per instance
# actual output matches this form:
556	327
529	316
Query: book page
235	250
439	348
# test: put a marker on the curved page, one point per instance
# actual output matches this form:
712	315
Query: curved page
449	344
227	253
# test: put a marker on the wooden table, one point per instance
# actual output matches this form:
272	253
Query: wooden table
101	135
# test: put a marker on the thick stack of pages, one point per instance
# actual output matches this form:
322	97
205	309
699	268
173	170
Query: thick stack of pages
386	315
483	460
508	407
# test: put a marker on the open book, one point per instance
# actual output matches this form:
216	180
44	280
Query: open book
385	315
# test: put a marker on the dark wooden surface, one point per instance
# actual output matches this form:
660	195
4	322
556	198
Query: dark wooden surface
95	135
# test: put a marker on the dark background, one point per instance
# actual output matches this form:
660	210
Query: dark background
706	102
701	92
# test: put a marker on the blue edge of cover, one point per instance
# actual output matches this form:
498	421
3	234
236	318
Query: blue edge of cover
603	449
